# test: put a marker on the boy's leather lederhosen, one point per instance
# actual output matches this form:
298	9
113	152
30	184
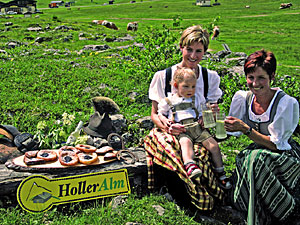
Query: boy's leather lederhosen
194	130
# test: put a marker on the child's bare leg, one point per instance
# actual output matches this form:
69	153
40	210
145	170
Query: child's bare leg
187	150
212	146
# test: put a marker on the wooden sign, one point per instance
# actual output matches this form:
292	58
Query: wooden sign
37	193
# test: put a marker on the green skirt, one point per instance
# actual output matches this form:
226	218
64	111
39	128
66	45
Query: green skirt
264	184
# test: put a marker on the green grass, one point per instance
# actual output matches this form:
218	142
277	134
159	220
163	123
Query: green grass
101	212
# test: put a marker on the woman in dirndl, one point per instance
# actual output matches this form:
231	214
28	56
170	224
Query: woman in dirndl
266	178
162	147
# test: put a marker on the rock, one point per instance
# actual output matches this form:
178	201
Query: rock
239	61
108	39
128	137
139	45
222	54
118	122
62	27
133	95
146	122
118	201
240	54
36	29
96	47
11	45
126	38
160	210
81	35
42	39
8	24
133	223
237	70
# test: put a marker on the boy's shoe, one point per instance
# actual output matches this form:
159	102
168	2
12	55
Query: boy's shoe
192	170
224	181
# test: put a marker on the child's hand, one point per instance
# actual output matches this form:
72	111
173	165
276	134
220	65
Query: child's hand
176	129
166	122
200	121
214	107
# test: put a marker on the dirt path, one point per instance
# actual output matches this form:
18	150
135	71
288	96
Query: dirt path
250	16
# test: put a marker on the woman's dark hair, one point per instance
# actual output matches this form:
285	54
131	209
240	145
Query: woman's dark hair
264	59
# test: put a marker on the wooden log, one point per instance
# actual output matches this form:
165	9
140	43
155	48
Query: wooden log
11	175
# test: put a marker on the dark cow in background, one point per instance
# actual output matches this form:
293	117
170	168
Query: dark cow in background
285	5
132	26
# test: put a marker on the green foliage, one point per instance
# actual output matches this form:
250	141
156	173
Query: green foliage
177	21
160	51
52	134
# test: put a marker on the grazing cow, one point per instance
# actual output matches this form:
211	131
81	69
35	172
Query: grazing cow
109	25
106	23
133	26
285	5
216	32
247	6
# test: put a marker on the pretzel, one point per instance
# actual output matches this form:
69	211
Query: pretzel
110	155
68	158
47	155
87	158
86	148
104	150
31	154
68	148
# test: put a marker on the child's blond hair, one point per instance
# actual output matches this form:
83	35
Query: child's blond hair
181	73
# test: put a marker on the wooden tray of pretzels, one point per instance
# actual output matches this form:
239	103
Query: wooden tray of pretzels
66	157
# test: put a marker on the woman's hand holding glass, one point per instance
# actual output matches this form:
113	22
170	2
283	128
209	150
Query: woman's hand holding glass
233	124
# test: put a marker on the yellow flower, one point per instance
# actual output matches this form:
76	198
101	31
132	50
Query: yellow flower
41	125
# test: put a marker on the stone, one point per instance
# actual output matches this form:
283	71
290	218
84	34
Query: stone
118	201
11	45
145	122
238	61
160	210
118	122
36	29
8	24
96	47
62	27
42	39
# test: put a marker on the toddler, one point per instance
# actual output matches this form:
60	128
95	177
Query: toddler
183	107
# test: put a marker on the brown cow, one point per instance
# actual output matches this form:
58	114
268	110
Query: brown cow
109	25
216	32
133	26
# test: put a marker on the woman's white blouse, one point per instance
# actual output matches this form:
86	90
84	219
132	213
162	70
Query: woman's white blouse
158	83
285	120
